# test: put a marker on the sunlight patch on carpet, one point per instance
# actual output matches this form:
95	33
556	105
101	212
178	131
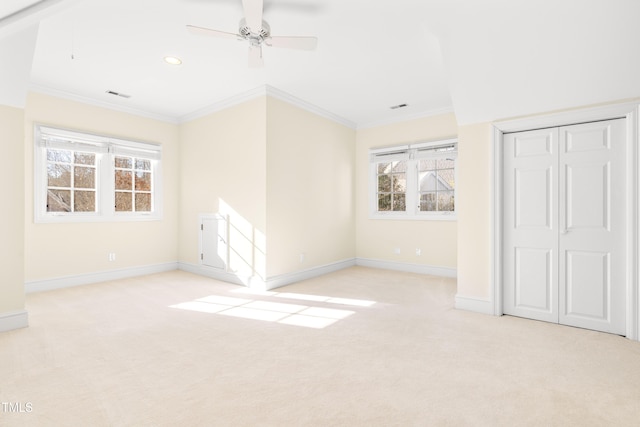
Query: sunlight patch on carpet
280	312
309	297
308	321
255	314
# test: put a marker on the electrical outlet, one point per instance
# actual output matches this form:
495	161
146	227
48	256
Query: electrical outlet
418	251
112	256
396	251
302	256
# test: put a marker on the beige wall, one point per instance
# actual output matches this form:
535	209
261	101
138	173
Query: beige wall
310	192
223	170
291	181
12	213
474	214
60	250
376	239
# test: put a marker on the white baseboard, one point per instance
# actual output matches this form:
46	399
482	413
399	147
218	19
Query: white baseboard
297	276
478	305
407	267
269	283
215	273
103	276
13	320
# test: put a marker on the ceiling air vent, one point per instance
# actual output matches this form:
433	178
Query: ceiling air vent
395	107
122	95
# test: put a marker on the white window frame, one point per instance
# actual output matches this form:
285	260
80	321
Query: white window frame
106	148
412	153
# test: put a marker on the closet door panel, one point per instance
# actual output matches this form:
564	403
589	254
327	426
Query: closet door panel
592	245
530	223
588	285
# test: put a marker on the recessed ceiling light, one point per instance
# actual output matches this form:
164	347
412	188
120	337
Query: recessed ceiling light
173	60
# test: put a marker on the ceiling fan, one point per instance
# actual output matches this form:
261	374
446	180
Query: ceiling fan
257	32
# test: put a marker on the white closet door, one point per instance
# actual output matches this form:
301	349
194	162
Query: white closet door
530	268
564	225
592	273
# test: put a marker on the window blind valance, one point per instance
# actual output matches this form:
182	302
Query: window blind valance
446	148
62	139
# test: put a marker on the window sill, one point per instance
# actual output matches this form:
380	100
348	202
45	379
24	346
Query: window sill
421	217
72	219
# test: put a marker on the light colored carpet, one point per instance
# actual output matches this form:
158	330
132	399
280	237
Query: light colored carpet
174	350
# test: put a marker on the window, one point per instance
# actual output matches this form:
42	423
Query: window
392	186
83	177
133	184
414	181
71	181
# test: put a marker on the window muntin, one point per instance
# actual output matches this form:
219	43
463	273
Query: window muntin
83	177
414	181
436	185
392	186
71	181
133	182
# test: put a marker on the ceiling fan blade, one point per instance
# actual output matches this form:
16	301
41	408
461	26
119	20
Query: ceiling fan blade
255	56
253	14
304	43
209	32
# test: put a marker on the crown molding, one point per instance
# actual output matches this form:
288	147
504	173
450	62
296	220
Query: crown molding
263	90
266	90
407	118
286	97
103	104
224	104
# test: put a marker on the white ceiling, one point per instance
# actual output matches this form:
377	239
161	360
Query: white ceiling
8	7
484	60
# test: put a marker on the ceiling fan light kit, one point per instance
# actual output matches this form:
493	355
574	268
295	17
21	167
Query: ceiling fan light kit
257	31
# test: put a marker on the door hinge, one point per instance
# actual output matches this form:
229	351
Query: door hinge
202	257
202	227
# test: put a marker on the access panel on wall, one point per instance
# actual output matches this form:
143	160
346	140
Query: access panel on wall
213	241
564	257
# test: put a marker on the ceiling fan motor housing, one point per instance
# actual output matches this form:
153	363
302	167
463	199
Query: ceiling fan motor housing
255	38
